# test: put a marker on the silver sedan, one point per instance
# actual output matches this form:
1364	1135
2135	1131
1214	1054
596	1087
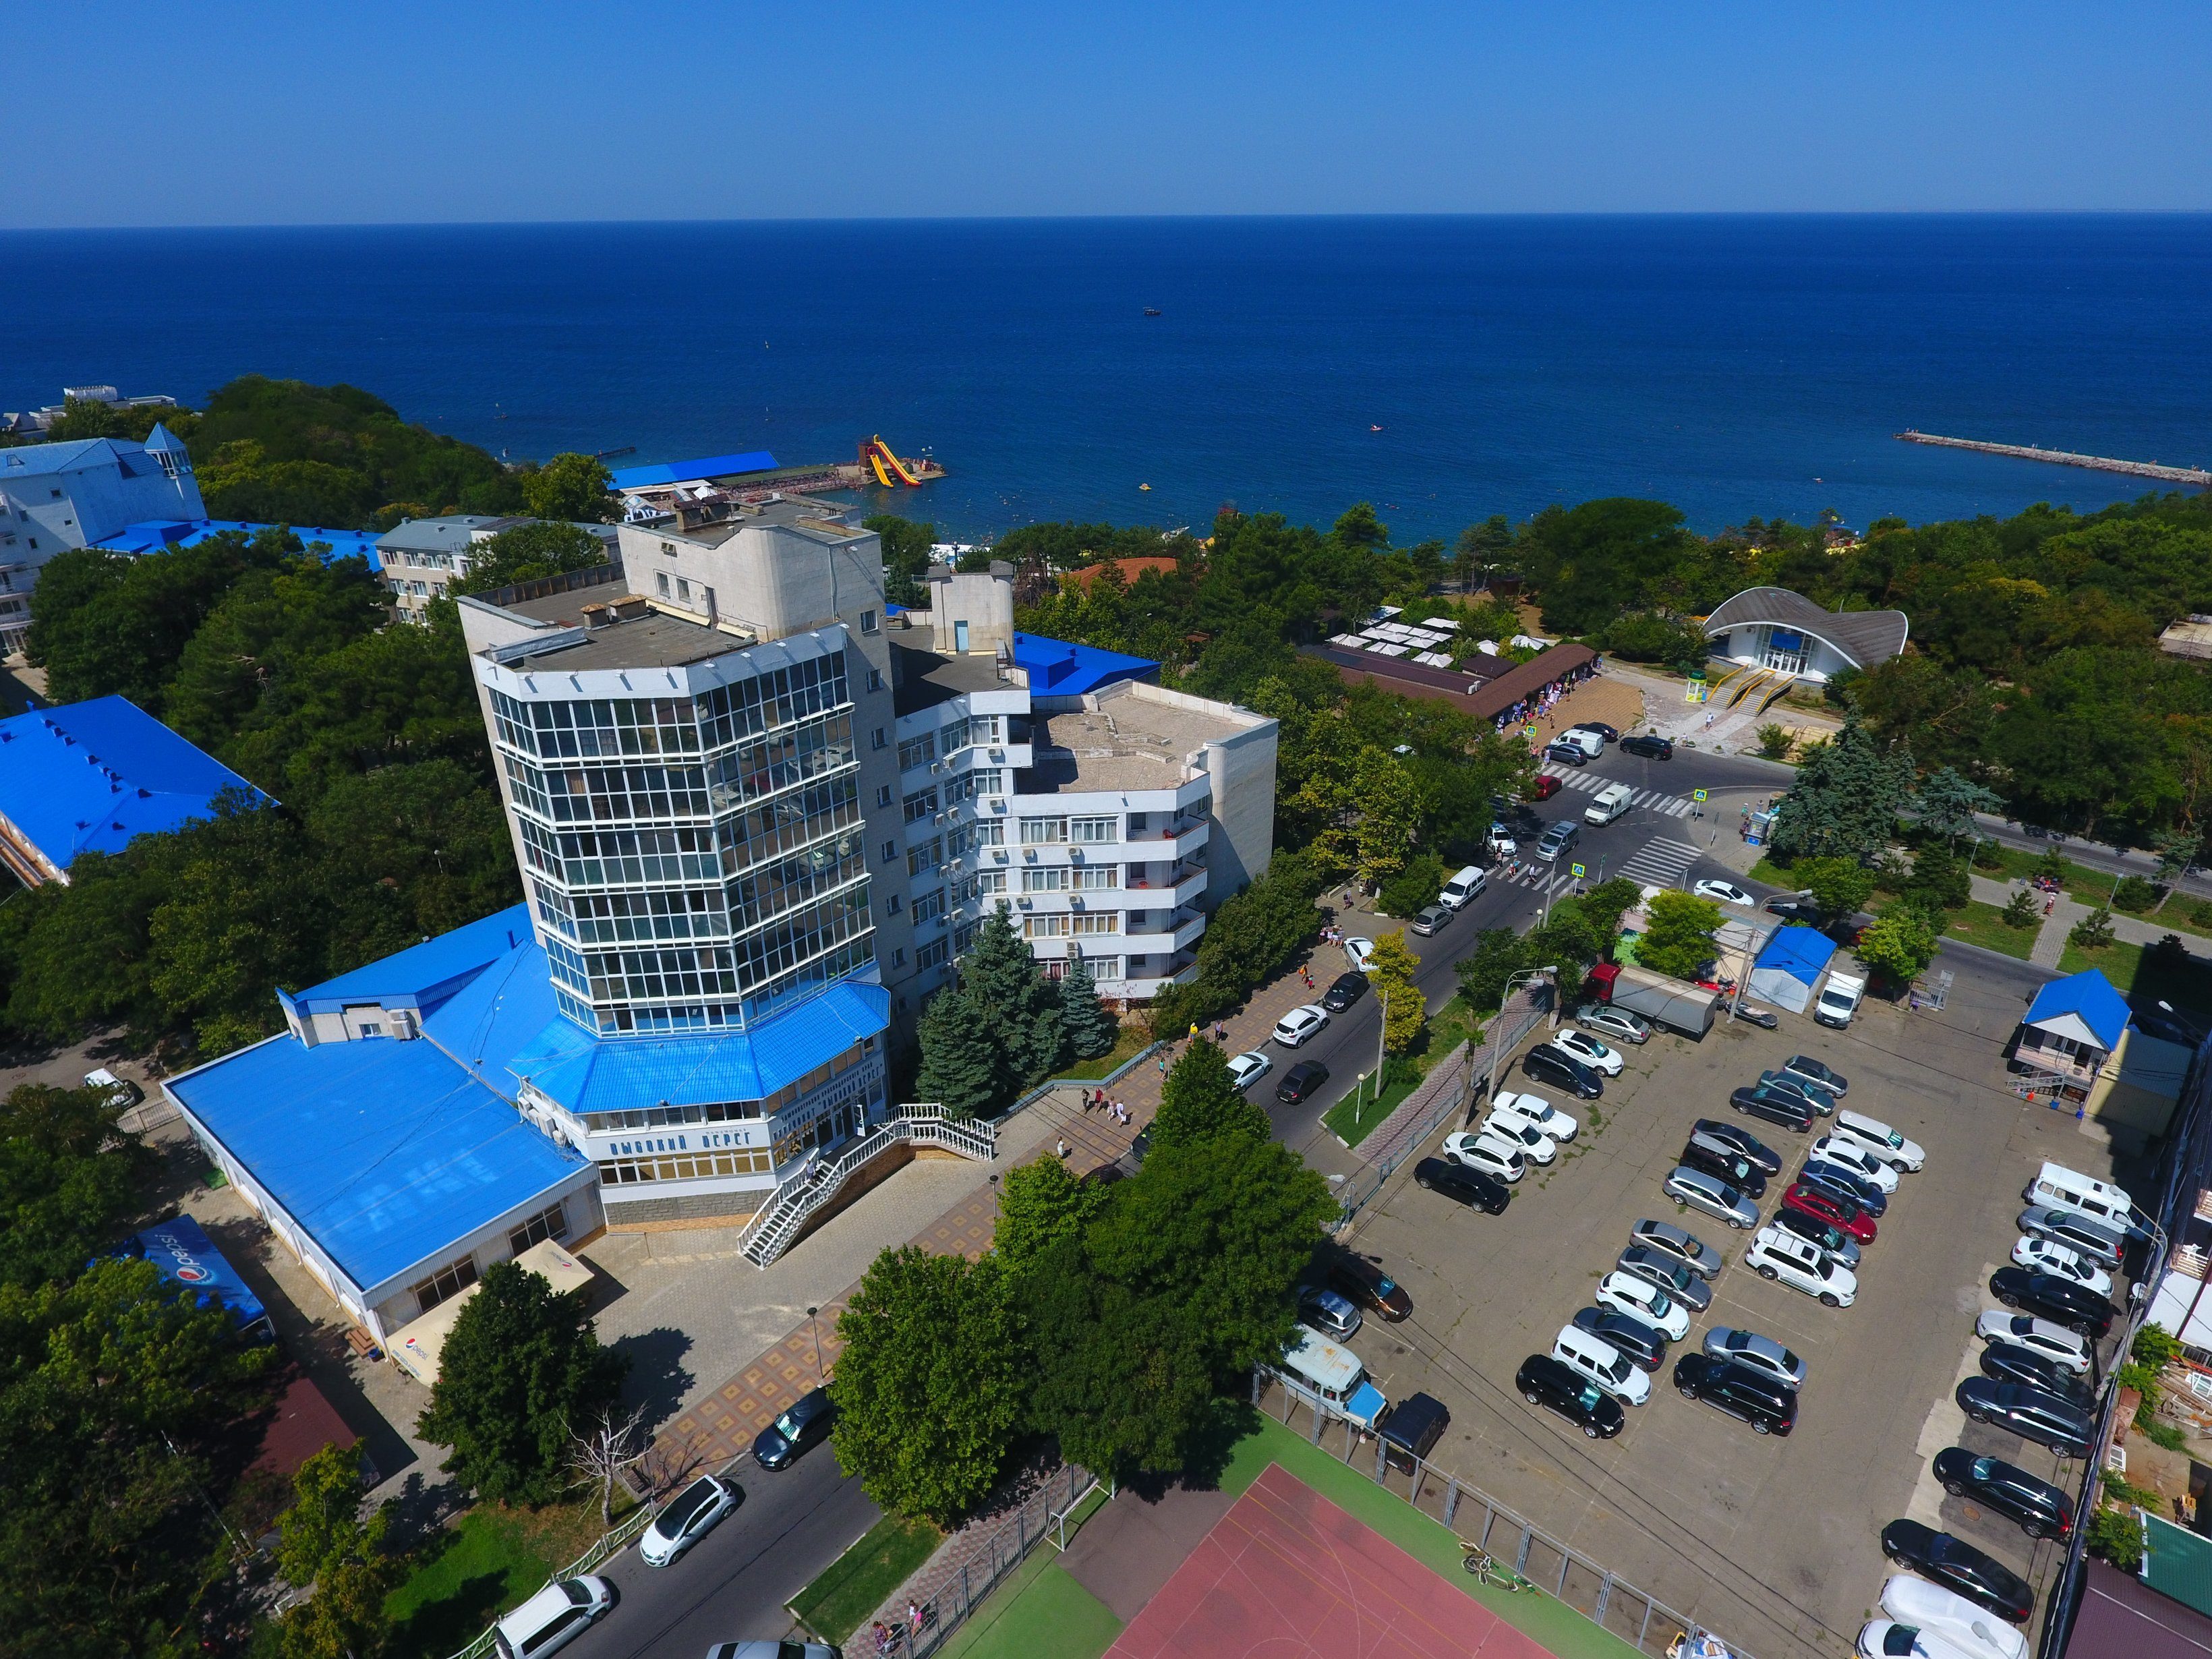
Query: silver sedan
1759	1353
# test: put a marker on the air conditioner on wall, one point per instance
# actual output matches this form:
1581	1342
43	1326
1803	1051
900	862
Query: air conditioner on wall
1075	855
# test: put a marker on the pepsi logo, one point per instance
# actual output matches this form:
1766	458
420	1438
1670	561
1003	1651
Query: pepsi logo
190	1275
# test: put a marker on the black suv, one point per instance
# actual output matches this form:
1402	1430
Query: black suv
1959	1567
1412	1430
1567	754
1300	1081
806	1423
1644	1346
1344	990
1738	1171
1749	1148
2004	1362
1464	1186
2059	1300
2041	1508
1831	1242
1760	1400
2031	1413
1548	1064
1649	744
1544	1381
1789	1110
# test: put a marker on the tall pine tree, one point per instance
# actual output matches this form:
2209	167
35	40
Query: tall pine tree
1847	799
1020	1006
1091	1031
960	1061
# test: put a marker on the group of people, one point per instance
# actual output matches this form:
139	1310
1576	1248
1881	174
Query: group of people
1096	1100
891	1636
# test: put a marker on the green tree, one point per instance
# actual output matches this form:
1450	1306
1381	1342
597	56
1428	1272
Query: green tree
1480	551
324	1527
1900	943
961	1066
346	1617
2022	910
1940	880
1390	809
906	557
1041	1203
1198	1100
1498	954
2093	932
1405	1010
573	487
1839	887
69	1180
1679	941
928	1387
1090	1030
2176	849
1413	888
2115	1535
1021	1008
529	553
1947	801
1845	800
520	1367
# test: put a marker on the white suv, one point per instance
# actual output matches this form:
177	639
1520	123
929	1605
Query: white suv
1538	1113
1603	1364
1639	1298
1532	1144
1301	1023
1798	1263
1878	1138
1495	1158
2038	1336
1858	1158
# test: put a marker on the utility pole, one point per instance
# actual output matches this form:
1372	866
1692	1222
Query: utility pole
1380	1031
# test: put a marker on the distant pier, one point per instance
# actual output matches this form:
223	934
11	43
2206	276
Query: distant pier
2180	475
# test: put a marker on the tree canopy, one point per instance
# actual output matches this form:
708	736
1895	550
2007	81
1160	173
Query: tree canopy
1679	941
530	552
1199	1102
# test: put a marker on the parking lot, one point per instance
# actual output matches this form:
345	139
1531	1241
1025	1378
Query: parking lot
1773	1542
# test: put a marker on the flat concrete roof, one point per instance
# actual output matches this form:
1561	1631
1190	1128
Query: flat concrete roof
655	639
813	518
1129	742
924	678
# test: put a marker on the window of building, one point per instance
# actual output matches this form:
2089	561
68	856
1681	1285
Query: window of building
882	794
1094	876
891	852
993	834
920	804
892	904
699	1166
1092	830
917	752
1097	922
875	679
927	906
446	1284
552	1222
880	739
926	856
682	590
661	576
935	954
867	621
898	958
1043	832
1053	926
986	781
1103	968
988	881
1047	878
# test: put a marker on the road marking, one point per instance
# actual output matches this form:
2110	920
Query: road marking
1661	861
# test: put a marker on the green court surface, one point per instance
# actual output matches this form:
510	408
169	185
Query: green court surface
1041	1613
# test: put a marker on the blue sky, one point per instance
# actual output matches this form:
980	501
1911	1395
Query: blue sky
126	114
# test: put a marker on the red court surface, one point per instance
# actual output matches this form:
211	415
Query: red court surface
1286	1573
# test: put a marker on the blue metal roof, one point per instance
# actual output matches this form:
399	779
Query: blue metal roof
1800	952
676	472
153	535
2087	995
87	777
384	1151
422	975
586	1074
70	455
1059	669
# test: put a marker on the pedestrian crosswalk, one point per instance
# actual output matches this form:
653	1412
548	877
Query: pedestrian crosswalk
1661	862
1652	800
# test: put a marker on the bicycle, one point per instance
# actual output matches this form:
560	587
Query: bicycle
1487	1567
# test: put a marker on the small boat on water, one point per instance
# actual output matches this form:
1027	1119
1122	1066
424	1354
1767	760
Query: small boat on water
1152	311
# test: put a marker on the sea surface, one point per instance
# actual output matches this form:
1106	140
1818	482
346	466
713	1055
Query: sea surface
1442	369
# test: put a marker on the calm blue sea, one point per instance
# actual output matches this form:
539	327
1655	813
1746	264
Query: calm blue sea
1736	366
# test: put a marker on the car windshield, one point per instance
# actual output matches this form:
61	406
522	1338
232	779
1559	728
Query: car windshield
1384	1285
577	1594
1983	1467
1898	1640
693	1500
788	1424
1590	1395
1618	1371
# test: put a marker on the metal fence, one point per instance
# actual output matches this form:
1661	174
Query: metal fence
1448	1087
917	1624
630	1525
1609	1601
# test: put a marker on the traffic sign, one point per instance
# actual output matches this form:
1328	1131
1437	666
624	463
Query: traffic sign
1697	794
1578	871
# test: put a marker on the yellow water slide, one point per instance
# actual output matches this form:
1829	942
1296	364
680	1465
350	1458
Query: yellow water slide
888	456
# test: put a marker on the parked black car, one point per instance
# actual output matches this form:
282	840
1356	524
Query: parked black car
1959	1567
2048	1419
1343	991
806	1423
1412	1430
1755	1151
1846	1183
1760	1400
1544	1381
1765	1018
1649	745
1643	1346
1611	734
2004	1362
2058	1300
1562	1071
1300	1081
1462	1185
2041	1508
1737	1171
1789	1110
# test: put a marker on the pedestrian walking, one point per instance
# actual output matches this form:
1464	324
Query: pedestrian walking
1306	974
1163	1063
1063	1147
1221	1034
2050	904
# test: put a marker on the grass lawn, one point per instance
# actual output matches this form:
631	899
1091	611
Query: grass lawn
1039	1612
1355	1117
1984	925
490	1561
856	1583
1132	1043
2188	986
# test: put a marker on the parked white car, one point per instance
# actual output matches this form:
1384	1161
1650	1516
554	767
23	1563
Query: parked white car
1797	1262
1711	1194
1602	1363
1478	1151
1532	1144
1834	1149
1304	1021
2041	1255
1725	892
1360	953
688	1517
1580	1045
1913	1601
1881	1139
1639	1298
1245	1070
1885	1638
1538	1113
2061	1347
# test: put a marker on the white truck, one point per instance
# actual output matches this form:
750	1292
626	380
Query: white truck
1838	1000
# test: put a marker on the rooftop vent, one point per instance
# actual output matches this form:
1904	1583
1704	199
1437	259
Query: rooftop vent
630	605
597	615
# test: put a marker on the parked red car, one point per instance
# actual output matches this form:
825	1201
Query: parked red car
1826	1207
1546	786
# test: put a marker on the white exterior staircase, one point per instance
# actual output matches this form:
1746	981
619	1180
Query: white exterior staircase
818	1180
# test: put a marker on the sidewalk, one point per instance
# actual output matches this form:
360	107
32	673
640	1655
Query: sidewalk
2051	942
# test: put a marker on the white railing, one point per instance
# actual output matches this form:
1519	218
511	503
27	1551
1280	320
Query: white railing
788	1208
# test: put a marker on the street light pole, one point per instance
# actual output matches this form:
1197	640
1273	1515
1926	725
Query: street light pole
816	1331
1491	1087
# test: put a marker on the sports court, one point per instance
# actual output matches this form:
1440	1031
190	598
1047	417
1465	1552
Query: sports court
1287	1572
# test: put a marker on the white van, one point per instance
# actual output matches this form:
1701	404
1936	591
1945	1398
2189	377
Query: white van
1589	742
1878	1138
553	1617
1334	1372
1603	1364
1612	801
1461	888
2059	1187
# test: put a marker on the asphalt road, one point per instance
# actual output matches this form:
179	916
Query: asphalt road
1650	844
734	1583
